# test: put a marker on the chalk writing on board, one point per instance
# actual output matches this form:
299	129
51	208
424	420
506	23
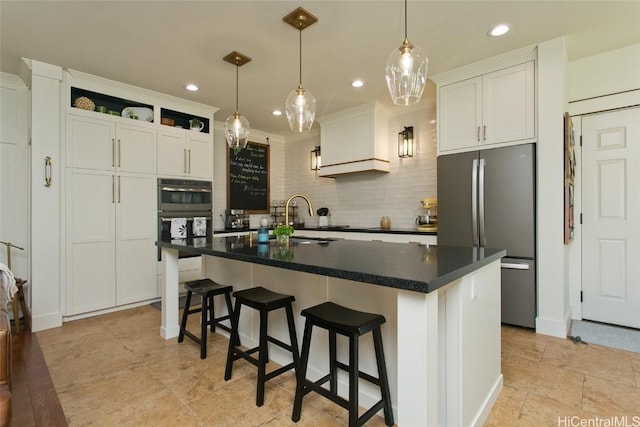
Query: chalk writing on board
248	178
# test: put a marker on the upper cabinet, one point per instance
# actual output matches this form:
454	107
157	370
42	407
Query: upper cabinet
113	125
103	145
495	107
354	140
185	154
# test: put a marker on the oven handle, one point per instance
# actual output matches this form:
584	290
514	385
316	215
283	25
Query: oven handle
168	219
191	190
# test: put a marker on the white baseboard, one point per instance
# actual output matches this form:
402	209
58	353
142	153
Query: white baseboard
554	327
487	406
49	321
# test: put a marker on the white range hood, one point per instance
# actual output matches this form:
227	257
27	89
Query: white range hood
355	140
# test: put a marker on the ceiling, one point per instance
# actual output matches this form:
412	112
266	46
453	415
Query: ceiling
163	45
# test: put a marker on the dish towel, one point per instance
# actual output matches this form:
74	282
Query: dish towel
7	283
199	226
178	228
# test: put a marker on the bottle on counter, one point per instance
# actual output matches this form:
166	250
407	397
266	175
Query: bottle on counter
385	223
263	230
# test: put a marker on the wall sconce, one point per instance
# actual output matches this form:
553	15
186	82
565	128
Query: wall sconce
315	159
405	142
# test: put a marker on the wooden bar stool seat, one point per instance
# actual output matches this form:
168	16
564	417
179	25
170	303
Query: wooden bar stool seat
350	323
264	301
207	289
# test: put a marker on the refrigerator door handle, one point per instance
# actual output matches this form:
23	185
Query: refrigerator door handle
474	202
483	239
514	266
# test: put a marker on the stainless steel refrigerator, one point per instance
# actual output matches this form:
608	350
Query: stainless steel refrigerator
487	198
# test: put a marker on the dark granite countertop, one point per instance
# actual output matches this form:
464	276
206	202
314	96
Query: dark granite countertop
346	229
409	266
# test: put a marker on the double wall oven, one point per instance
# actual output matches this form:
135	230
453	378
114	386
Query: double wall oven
184	198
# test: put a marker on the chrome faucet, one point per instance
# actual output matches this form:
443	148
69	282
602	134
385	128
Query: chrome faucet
286	207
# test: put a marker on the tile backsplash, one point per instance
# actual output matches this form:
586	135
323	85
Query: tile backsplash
357	200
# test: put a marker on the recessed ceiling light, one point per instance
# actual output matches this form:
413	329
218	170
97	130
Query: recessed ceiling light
276	112
499	30
357	83
191	87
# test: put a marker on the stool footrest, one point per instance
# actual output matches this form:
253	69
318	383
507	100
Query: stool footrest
335	398
361	374
279	371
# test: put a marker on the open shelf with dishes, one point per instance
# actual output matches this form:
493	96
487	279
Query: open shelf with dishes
101	103
182	120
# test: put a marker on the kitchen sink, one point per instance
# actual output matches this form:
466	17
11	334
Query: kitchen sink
303	240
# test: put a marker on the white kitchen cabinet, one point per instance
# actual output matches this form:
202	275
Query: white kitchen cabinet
493	108
111	255
355	140
185	153
102	144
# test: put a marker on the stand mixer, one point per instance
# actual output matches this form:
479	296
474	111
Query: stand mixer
428	221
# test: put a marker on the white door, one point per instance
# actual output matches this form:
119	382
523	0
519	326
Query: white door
460	114
508	104
200	157
90	221
172	154
611	217
136	233
136	149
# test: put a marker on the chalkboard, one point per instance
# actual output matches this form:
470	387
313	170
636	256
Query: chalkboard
248	178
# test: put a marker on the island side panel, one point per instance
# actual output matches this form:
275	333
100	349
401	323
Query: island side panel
417	352
474	342
169	312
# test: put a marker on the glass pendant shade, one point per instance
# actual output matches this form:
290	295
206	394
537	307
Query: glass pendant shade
406	73
236	131
300	109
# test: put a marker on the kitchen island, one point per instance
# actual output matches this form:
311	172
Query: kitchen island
442	306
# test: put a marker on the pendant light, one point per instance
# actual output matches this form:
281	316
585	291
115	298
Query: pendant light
236	127
406	71
300	104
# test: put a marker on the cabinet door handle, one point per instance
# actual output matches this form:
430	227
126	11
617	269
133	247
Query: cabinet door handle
189	160
484	132
184	157
119	152
113	152
119	188
478	134
47	171
113	189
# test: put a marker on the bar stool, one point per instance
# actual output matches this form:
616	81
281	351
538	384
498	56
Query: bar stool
264	301
207	289
18	299
351	323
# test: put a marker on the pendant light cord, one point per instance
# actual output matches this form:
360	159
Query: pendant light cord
300	53
405	19
237	67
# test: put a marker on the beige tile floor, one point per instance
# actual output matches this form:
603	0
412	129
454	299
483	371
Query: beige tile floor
115	369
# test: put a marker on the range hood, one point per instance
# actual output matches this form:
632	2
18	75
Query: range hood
355	141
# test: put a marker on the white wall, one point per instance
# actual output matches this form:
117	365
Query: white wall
607	73
552	259
359	200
